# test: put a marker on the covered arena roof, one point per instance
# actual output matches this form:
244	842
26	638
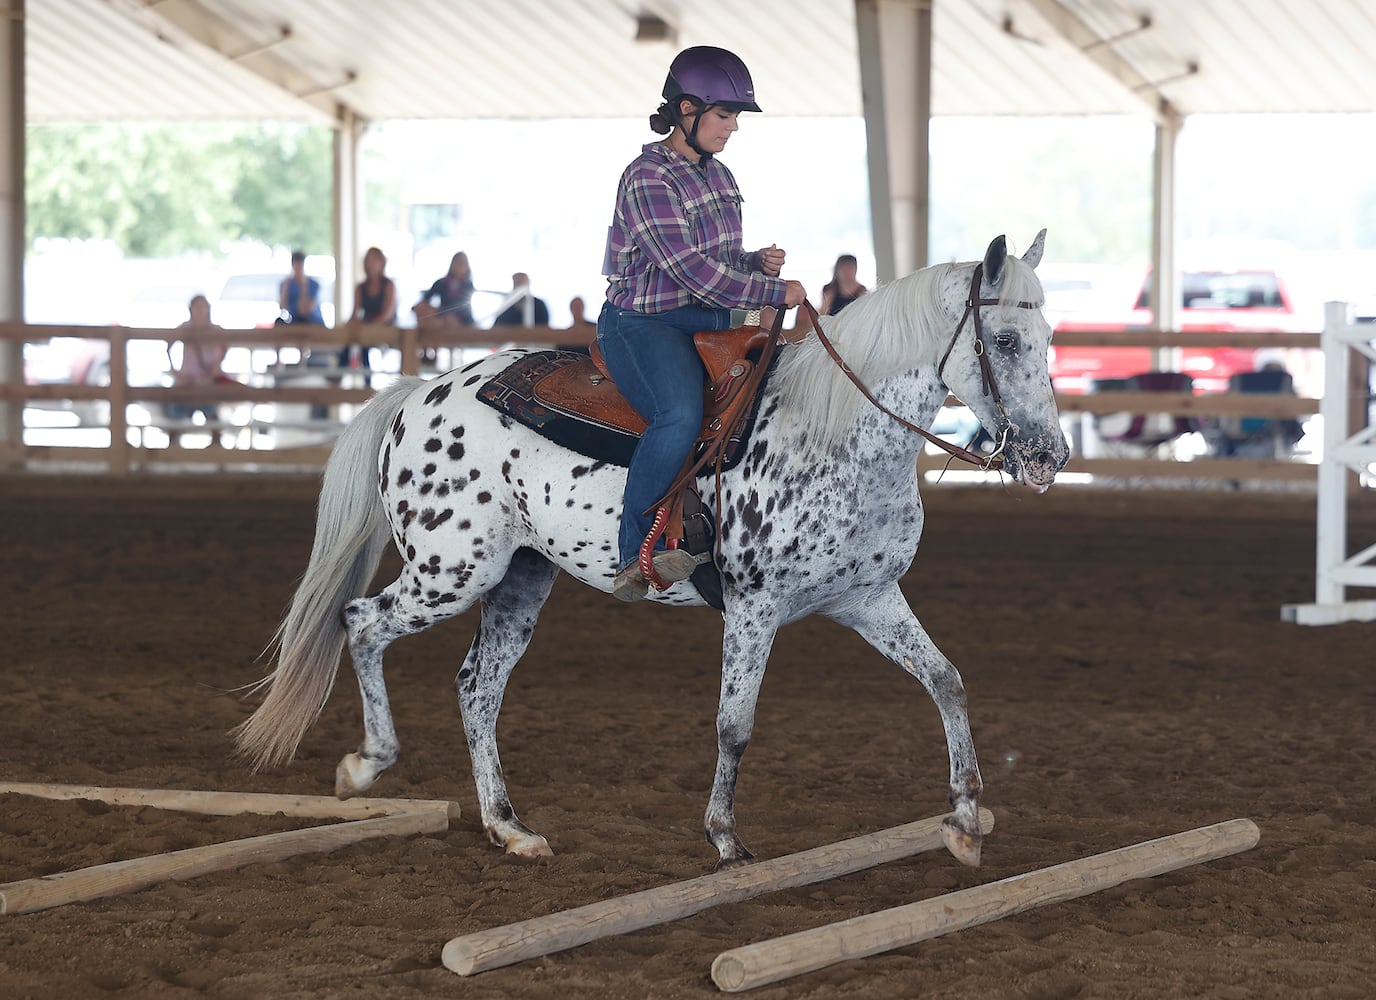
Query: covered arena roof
93	60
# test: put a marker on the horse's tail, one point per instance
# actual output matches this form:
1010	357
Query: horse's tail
351	536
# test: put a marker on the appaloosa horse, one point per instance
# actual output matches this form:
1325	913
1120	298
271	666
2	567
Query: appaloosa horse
822	516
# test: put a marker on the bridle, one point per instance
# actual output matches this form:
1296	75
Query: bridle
973	305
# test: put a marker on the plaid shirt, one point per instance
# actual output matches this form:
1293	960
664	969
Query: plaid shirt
675	239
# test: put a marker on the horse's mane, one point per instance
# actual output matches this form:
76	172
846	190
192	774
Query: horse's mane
896	328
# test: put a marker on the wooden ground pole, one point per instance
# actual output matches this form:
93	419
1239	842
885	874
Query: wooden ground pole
794	954
517	942
233	803
370	818
136	873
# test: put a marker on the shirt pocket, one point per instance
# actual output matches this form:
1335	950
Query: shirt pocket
729	211
695	205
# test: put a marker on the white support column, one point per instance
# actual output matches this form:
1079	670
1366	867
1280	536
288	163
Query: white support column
1344	451
895	43
1165	284
348	131
11	208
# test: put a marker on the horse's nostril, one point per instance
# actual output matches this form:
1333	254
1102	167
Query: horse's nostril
1044	458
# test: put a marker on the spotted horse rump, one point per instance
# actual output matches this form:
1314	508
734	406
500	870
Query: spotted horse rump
820	515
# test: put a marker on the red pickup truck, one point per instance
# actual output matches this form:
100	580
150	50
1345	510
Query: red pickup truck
1210	300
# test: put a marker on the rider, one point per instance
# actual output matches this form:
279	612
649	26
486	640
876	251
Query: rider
675	264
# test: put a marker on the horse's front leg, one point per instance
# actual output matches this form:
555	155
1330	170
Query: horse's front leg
884	619
745	648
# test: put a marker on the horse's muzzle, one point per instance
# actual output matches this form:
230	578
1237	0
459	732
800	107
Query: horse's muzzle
1035	461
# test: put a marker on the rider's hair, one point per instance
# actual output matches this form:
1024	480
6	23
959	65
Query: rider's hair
663	120
670	113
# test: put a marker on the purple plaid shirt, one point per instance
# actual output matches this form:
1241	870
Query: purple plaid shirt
675	239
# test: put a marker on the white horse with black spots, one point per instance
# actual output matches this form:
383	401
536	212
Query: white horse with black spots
822	516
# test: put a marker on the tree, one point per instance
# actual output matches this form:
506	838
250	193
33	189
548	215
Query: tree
165	190
283	187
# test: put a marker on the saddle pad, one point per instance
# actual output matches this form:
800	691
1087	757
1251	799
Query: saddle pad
513	392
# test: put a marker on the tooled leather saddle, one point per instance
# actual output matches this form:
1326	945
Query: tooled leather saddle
586	389
735	362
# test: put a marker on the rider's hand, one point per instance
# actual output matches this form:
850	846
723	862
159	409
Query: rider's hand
795	295
771	260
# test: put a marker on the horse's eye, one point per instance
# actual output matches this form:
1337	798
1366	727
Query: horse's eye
1006	341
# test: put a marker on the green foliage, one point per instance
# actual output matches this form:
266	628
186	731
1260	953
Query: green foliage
283	190
1091	190
170	189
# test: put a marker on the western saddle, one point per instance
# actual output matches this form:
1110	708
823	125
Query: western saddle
735	360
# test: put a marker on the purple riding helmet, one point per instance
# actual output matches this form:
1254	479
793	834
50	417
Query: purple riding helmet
709	77
713	76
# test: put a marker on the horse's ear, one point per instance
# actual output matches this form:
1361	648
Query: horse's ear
1033	257
994	259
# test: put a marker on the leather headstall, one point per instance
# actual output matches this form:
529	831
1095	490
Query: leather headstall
973	305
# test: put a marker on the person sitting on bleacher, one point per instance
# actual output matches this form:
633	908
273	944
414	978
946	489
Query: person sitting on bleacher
199	364
1257	436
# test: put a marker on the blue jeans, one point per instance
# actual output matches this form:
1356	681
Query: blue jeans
655	365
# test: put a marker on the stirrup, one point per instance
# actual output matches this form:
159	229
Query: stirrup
669	567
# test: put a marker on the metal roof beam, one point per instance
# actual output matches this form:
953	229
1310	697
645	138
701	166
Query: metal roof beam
1088	44
221	36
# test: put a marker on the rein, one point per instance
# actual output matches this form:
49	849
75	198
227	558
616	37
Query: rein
973	304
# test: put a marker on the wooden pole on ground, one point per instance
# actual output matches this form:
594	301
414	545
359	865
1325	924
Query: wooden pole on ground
136	873
792	955
517	942
235	803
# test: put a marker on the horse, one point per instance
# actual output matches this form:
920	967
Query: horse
822	516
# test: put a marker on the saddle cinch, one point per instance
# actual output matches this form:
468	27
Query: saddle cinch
735	360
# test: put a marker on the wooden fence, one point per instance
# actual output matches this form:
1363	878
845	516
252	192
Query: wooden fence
122	454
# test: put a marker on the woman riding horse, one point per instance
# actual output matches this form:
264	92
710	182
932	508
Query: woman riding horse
675	264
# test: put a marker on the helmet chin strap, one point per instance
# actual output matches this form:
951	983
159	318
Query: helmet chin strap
691	137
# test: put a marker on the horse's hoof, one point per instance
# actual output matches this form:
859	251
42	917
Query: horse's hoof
964	847
529	846
348	777
738	858
728	864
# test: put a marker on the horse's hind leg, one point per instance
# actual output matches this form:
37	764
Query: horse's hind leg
423	595
508	620
889	625
373	624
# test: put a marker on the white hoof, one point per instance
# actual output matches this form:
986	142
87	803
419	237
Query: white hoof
529	846
353	776
963	847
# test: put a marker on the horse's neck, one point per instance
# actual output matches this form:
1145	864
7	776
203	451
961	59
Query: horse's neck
878	446
916	396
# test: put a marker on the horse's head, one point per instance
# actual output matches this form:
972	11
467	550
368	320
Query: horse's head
997	361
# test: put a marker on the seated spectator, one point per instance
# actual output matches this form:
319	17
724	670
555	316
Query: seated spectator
514	314
843	289
199	365
450	299
300	295
578	310
839	292
375	301
584	329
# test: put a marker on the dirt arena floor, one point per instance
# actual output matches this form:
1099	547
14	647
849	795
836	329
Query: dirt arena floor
1128	677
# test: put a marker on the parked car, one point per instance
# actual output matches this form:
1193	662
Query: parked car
1249	299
